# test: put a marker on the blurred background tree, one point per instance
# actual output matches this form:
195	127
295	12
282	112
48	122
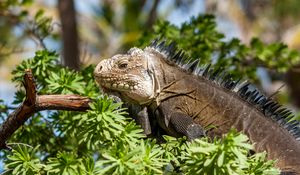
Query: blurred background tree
269	20
104	27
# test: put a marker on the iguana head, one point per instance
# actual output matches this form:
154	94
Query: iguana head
128	74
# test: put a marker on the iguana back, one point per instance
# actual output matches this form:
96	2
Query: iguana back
185	98
219	109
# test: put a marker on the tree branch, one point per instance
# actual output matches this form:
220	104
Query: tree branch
34	103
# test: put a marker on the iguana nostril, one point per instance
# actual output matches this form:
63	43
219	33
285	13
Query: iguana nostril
100	68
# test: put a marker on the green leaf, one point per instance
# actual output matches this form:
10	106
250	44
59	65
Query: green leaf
221	159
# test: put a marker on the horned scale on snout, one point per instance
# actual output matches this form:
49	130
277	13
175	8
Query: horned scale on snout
185	98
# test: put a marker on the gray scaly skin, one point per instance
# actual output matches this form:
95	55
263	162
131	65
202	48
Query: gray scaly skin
184	99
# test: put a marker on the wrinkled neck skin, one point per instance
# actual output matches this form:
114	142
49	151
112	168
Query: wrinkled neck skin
163	75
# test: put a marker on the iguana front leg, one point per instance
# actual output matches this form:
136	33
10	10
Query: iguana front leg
139	114
141	117
185	125
143	120
176	122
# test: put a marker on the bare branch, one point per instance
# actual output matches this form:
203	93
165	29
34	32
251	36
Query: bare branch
34	103
62	102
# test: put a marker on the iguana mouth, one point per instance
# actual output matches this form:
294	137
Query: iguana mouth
120	83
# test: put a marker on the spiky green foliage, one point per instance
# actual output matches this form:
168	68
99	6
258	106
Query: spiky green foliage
64	163
105	140
105	125
23	160
144	157
226	156
65	82
42	64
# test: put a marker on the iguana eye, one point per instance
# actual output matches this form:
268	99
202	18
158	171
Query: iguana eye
123	65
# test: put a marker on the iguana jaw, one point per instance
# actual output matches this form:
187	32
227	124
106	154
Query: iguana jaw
128	75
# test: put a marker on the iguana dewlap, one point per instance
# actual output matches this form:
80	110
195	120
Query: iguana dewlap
184	99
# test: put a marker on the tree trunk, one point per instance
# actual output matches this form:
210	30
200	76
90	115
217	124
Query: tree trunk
69	34
293	81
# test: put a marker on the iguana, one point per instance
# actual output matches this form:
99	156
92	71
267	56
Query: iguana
185	98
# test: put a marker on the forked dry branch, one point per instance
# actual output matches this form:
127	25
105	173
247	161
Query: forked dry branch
34	103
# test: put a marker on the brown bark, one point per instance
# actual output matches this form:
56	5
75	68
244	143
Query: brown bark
293	81
69	34
152	14
34	103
